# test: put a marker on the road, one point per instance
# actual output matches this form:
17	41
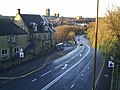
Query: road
73	71
105	78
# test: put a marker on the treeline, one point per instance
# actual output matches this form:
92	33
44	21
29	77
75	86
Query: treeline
108	34
67	32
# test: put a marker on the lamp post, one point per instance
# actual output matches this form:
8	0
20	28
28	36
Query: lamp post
95	52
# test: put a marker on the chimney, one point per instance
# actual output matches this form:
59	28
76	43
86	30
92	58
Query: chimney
18	11
58	14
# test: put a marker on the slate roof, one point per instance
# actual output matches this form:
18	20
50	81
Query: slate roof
7	27
27	18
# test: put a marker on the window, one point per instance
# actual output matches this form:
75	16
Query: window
4	53
33	25
34	36
11	39
35	28
8	38
16	50
48	36
39	36
44	36
46	46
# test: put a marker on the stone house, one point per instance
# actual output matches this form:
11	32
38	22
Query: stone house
41	34
12	39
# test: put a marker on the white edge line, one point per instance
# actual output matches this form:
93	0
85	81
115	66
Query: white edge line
60	76
98	77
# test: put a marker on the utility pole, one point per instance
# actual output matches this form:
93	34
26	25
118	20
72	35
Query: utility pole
95	52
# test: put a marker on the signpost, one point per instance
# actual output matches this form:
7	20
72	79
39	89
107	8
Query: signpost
110	64
21	53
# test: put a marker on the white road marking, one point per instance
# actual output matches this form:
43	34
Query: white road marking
46	73
80	54
34	80
82	75
72	57
63	74
105	75
4	82
65	66
72	86
58	66
76	55
67	61
88	67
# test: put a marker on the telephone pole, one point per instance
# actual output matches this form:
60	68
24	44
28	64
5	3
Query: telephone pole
95	52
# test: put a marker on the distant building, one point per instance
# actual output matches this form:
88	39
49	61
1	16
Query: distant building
78	17
47	12
56	14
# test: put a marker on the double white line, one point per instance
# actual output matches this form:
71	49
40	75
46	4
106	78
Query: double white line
63	74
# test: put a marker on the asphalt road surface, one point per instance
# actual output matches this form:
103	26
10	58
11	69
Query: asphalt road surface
73	71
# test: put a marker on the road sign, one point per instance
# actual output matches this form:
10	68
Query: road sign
21	54
110	64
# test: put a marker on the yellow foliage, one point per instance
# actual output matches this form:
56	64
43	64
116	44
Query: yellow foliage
108	33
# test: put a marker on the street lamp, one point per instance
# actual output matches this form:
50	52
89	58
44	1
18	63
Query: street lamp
95	52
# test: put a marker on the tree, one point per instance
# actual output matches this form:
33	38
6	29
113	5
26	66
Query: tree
71	35
108	38
66	32
108	34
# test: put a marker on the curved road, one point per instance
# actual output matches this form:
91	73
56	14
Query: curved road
73	71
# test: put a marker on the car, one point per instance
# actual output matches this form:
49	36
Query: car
81	44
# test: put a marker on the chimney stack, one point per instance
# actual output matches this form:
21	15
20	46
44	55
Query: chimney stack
18	11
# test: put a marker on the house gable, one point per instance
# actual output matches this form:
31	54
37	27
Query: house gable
19	21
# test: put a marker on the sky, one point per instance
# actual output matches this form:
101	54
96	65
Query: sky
66	8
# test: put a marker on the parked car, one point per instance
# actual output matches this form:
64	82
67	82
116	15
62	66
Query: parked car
60	46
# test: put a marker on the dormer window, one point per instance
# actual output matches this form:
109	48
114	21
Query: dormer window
33	25
42	23
35	28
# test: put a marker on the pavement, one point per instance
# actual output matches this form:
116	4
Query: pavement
105	78
34	64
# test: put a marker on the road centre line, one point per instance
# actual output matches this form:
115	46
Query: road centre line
72	85
82	75
88	67
76	55
58	66
34	80
73	57
63	74
46	73
4	82
67	61
80	54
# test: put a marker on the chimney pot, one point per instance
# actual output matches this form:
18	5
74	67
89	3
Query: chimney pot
18	11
